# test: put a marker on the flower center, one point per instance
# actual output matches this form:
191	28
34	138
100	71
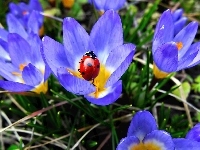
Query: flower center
42	87
19	74
146	146
99	82
179	45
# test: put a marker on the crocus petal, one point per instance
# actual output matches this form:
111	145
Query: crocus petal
14	9
142	124
14	26
118	55
186	144
33	24
19	49
190	57
166	57
98	4
159	139
3	34
35	5
31	75
4	54
15	86
186	37
118	61
127	143
177	14
4	45
23	6
178	26
6	70
54	54
110	95
73	84
47	72
76	41
196	60
35	43
185	61
115	5
107	34
194	133
164	30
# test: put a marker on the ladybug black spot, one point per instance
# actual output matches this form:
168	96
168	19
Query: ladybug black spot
97	66
82	73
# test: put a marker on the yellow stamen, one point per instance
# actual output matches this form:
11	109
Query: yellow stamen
146	146
158	73
100	81
43	87
179	45
68	3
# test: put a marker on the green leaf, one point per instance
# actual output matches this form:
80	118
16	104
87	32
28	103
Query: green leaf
52	12
198	116
13	147
186	89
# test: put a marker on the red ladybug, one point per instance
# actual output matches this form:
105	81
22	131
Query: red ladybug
89	66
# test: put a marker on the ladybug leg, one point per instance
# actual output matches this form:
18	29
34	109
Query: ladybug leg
93	82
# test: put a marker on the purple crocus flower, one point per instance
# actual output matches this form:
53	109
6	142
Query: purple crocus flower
22	12
192	140
194	133
25	69
104	5
143	134
106	41
179	20
173	53
14	26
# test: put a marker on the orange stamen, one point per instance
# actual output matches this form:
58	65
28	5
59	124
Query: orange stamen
16	73
21	67
25	12
41	31
179	45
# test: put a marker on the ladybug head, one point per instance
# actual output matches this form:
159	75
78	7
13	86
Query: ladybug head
91	54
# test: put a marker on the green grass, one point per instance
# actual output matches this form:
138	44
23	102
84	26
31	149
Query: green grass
62	120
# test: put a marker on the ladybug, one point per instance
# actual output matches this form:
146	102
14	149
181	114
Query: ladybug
89	66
